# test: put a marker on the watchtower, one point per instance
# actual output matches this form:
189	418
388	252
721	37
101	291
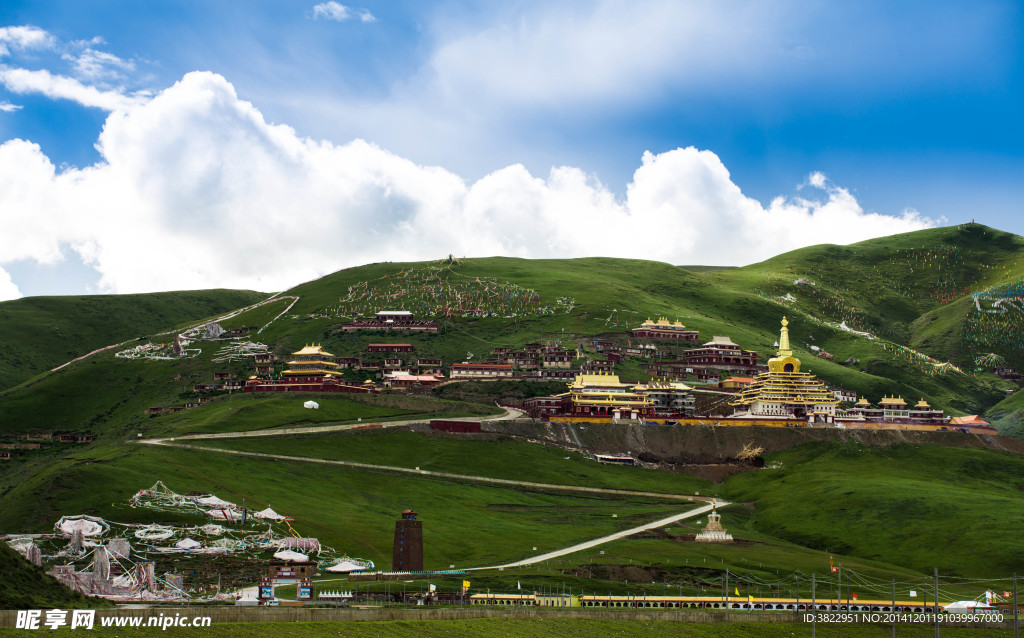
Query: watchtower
408	551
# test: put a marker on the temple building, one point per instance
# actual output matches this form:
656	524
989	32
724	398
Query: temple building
720	352
662	329
603	395
896	409
713	532
668	396
784	391
311	362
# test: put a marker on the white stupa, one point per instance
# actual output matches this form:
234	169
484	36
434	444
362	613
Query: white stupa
713	531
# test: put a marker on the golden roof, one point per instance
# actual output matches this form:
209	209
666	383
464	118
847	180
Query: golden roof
893	402
313	363
863	403
598	379
922	404
313	349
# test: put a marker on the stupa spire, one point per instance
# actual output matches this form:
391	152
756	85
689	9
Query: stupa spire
784	349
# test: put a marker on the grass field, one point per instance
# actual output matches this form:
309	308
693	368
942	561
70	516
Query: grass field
500	458
918	506
352	511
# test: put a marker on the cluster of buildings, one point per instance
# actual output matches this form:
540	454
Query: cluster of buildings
602	396
41	441
778	393
392	320
782	395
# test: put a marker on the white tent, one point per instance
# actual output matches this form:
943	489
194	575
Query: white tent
87	525
269	514
291	557
248	599
312	405
213	501
225	514
969	607
345	566
188	543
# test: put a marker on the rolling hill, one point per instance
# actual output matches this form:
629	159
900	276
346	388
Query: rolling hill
926	314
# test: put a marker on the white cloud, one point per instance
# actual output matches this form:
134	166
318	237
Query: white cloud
7	107
197	190
93	65
24	81
336	11
7	288
24	37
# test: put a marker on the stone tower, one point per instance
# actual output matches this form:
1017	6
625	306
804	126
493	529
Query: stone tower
408	551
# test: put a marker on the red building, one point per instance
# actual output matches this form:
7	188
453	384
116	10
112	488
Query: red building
537	407
720	351
303	384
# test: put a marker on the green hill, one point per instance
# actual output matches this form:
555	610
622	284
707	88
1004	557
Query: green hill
40	333
923	314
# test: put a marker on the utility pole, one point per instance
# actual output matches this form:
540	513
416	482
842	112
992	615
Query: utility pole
726	592
935	574
814	609
839	587
893	608
1015	605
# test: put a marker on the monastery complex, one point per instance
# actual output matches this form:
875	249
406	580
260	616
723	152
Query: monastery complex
687	381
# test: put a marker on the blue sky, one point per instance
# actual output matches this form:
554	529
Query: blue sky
155	146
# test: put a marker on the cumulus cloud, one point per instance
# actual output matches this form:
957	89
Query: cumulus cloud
24	81
196	189
21	38
336	11
7	288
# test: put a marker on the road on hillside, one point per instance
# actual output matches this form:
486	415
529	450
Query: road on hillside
509	414
468	478
605	539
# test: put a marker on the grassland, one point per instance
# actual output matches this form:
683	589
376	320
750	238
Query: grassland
878	507
917	506
40	333
498	458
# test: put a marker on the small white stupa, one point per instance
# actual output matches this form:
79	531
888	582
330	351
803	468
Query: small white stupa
714	532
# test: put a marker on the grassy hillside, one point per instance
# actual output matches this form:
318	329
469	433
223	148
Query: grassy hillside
918	506
26	586
40	333
886	507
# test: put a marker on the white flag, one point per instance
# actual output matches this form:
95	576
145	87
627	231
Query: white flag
433	587
913	593
519	585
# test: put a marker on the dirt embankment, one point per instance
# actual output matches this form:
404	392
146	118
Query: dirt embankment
715	453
